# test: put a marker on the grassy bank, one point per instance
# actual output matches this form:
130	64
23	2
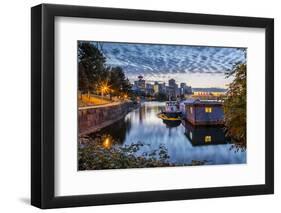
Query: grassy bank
85	100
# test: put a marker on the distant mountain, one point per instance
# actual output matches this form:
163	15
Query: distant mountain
212	89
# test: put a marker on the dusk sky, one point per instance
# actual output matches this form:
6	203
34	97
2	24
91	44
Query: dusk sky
198	66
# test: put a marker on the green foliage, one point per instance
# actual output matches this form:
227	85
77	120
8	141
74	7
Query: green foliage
104	153
91	67
118	81
93	154
235	106
93	72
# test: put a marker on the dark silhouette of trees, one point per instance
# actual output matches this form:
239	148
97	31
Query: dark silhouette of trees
94	76
235	106
91	67
118	81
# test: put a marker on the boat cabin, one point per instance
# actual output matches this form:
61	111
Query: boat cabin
202	112
172	107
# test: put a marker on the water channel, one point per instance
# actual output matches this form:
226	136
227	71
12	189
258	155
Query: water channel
185	143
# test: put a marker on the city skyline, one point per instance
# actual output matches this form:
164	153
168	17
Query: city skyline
166	83
197	66
172	89
195	81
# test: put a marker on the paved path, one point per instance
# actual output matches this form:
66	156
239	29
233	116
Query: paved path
100	105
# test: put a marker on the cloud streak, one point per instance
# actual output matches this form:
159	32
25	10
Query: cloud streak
154	59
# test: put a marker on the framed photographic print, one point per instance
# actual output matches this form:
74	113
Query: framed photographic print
140	106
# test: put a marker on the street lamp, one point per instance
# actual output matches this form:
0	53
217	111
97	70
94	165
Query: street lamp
104	88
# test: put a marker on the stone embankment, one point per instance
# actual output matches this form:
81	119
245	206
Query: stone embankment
94	118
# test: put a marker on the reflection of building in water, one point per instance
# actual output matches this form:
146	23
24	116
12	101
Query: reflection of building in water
204	135
142	113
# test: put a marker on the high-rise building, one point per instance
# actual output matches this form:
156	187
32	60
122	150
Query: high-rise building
172	89
149	89
156	87
184	89
182	85
162	88
172	83
139	85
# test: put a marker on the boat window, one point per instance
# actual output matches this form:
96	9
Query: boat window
208	139
208	109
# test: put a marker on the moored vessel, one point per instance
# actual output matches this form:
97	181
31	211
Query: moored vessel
171	115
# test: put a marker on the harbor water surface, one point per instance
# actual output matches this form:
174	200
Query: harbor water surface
185	143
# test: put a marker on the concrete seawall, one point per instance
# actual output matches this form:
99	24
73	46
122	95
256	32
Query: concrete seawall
92	119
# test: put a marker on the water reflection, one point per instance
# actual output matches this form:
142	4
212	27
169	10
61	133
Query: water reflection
171	124
205	135
183	141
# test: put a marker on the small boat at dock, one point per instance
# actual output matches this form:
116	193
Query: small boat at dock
171	116
168	117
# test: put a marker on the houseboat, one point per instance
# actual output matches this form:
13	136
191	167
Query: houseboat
203	112
171	115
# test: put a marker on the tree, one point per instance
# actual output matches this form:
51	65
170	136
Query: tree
119	84
83	81
91	66
235	106
95	76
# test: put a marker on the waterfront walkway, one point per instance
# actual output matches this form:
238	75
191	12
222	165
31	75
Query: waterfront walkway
92	100
101	105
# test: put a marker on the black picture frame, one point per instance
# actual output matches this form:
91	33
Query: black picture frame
43	102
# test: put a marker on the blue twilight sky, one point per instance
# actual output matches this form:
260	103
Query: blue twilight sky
198	66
